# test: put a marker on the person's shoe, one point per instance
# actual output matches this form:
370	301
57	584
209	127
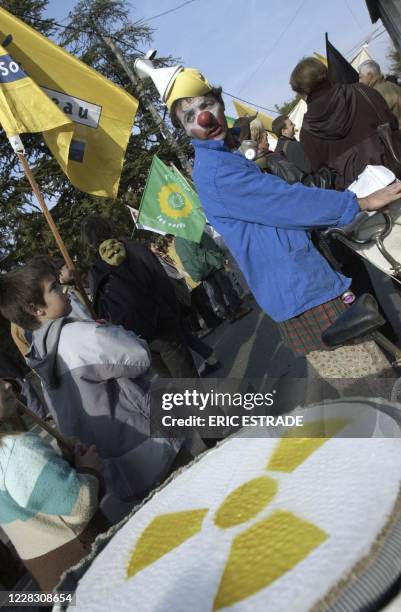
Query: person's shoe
242	312
209	368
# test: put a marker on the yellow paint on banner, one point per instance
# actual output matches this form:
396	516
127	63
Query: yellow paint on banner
265	552
291	452
245	502
163	534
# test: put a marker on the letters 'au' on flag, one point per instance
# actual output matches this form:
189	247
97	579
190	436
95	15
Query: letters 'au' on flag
170	204
102	114
20	98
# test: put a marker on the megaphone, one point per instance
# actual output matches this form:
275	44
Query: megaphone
249	149
163	78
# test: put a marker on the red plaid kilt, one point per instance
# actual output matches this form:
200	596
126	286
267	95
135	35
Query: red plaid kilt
303	333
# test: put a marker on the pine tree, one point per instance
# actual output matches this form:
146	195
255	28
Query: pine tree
286	107
395	61
23	230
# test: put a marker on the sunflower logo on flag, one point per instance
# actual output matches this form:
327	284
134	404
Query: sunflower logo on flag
173	201
170	204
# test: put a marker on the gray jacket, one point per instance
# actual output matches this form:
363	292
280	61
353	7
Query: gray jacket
95	384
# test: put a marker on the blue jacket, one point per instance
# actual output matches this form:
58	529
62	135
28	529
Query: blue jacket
265	223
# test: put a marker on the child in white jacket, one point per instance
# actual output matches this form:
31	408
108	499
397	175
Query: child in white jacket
94	377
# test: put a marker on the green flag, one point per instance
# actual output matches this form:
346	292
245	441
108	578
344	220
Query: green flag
170	204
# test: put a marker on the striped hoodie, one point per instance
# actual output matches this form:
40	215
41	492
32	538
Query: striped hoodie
48	509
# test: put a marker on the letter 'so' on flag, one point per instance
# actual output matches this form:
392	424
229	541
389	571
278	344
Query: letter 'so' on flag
170	205
100	113
24	108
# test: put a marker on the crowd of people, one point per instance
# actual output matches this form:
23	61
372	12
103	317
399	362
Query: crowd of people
155	304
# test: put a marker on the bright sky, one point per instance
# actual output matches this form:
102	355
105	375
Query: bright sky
250	46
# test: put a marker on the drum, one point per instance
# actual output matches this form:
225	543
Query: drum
302	519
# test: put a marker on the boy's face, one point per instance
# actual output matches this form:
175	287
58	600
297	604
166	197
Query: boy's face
57	303
202	117
8	399
289	129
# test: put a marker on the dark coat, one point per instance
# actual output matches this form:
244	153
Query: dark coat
294	152
340	129
277	164
136	294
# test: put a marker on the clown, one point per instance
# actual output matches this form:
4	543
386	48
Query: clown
266	224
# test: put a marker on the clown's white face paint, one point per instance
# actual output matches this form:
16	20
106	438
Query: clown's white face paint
202	117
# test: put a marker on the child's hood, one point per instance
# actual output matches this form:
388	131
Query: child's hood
42	356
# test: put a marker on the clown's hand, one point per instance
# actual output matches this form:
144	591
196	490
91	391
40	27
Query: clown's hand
381	198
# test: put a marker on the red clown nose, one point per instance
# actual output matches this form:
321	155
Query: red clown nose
205	119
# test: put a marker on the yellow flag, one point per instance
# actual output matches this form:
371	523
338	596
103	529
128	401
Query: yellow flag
248	111
102	114
20	99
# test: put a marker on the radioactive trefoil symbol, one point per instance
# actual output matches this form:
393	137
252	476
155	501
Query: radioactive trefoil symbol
267	549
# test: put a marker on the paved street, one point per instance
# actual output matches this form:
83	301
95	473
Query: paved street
251	348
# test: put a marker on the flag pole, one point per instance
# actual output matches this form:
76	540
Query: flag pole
145	99
184	178
18	147
63	442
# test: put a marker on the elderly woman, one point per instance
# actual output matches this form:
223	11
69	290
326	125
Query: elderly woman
48	508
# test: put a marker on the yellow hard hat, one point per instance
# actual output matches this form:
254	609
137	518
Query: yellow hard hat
187	84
